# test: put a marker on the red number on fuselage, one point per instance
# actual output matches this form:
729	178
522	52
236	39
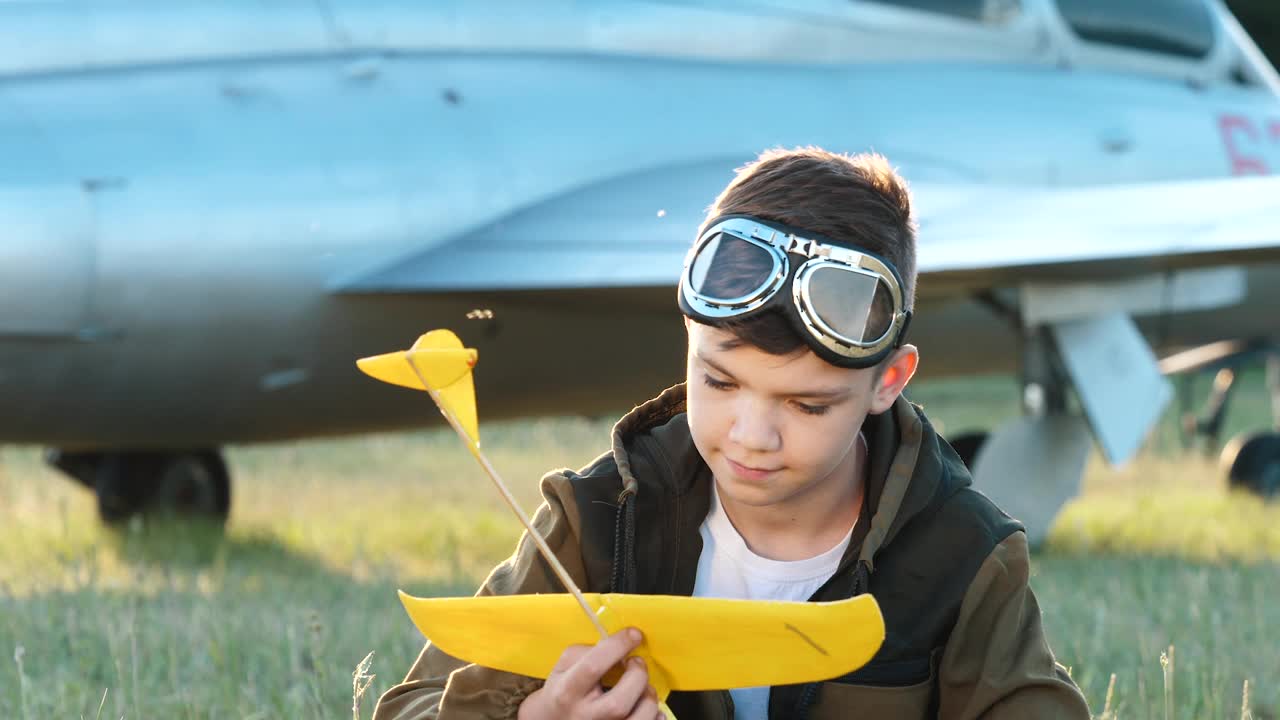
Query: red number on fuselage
1240	135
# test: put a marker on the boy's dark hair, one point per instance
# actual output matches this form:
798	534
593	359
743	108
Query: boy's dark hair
856	200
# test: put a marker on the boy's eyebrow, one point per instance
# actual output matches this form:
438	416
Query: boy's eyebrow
832	394
712	364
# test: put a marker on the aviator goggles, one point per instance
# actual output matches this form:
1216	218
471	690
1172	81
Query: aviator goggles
846	304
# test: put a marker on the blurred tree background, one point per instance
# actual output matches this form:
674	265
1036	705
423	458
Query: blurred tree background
1262	19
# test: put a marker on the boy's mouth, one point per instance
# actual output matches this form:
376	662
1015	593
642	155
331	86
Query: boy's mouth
748	472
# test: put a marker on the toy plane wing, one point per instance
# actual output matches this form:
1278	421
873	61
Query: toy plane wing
697	643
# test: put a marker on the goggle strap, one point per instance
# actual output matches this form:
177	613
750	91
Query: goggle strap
902	331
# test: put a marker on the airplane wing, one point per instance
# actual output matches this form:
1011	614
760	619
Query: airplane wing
634	232
630	231
978	237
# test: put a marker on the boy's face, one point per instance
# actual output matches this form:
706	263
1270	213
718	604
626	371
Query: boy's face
776	429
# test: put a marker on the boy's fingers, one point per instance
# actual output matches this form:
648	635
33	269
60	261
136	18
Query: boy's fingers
569	657
585	674
646	709
620	701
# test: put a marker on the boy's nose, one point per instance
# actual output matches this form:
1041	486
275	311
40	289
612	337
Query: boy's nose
754	428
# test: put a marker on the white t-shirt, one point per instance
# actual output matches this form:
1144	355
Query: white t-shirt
728	569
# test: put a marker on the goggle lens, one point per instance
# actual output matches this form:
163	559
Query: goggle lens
728	268
856	305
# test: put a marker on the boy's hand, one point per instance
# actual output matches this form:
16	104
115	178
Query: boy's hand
573	691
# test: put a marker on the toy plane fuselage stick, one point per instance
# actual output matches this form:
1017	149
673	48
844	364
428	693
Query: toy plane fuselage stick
474	446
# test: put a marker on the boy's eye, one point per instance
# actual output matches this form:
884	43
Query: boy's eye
715	384
812	409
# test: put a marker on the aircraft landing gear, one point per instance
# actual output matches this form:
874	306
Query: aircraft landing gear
1032	465
1252	462
191	484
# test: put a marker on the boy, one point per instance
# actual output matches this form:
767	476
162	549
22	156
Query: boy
787	467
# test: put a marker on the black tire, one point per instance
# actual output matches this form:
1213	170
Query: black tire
967	445
123	484
1252	463
190	485
193	485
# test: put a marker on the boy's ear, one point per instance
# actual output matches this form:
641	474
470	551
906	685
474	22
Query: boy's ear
896	373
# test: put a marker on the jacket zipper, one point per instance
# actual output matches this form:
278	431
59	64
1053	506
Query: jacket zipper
726	701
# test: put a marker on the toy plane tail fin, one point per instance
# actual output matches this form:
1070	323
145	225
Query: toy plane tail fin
437	363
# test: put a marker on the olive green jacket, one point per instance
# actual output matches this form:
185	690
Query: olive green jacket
949	570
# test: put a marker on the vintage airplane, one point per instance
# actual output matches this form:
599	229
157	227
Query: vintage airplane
210	210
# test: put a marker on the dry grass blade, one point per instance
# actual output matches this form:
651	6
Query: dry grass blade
360	681
18	653
1107	712
101	704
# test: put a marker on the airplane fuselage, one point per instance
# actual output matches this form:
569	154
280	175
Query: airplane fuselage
177	231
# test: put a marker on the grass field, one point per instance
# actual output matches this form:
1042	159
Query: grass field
271	620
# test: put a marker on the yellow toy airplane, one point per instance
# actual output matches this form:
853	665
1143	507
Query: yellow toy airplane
689	643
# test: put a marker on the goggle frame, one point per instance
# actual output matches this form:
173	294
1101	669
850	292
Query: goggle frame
781	242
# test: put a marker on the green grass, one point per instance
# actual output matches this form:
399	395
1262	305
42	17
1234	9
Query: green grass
272	619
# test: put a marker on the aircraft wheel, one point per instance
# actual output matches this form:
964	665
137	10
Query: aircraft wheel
194	485
968	444
1252	462
121	482
185	485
